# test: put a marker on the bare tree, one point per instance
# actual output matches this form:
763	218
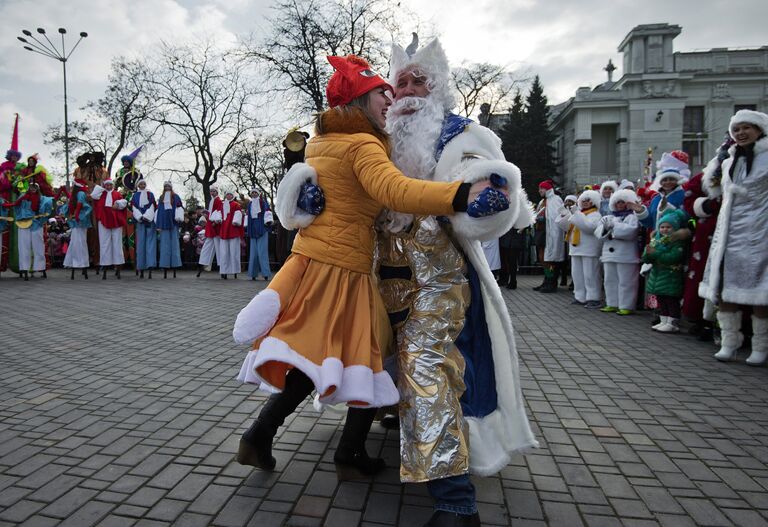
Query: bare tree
482	82
303	32
117	121
258	163
206	108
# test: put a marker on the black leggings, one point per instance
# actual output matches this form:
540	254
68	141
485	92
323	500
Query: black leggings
669	306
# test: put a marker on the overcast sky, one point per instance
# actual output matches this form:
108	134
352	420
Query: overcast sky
567	43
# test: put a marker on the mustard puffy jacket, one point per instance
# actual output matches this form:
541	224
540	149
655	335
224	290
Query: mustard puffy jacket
358	179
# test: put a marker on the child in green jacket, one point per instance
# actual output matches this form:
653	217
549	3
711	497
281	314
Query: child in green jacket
666	253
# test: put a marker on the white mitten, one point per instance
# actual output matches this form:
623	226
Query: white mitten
257	318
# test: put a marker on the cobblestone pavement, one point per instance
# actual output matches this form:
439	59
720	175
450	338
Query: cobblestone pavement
118	406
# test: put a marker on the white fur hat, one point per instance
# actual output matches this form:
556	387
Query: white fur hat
758	119
571	197
431	61
625	183
608	184
591	196
626	195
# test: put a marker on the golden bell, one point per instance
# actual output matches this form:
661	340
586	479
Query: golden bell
295	141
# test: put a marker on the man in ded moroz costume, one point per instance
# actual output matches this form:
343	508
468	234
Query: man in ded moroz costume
455	343
111	217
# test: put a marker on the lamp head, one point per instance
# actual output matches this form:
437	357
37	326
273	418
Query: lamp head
83	34
41	31
27	32
24	40
62	30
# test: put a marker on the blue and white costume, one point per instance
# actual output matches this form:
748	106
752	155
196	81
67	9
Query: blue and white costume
258	219
170	213
144	205
79	222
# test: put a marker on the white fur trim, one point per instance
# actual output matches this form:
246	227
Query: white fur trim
698	208
758	119
149	215
291	216
268	218
136	214
708	180
97	191
495	438
433	62
258	317
121	204
178	215
353	383
216	216
626	195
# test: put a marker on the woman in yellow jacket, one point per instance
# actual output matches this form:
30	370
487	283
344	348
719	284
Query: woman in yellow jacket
320	325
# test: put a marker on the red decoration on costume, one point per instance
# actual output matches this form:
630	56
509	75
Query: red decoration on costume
212	229
228	230
547	185
109	217
353	77
680	155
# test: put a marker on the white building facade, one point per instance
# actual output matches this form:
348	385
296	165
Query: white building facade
665	100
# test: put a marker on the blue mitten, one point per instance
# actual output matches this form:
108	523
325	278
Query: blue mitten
487	203
311	199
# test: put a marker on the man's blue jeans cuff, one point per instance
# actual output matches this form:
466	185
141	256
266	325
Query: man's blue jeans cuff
466	511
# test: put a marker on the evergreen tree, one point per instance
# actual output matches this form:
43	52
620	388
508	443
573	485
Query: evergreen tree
527	140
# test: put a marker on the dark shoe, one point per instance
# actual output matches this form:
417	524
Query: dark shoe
103	274
174	273
550	286
85	274
149	274
351	465
452	519
45	274
512	285
593	304
575	302
656	320
259	453
73	274
224	277
141	274
26	276
165	274
390	422
199	270
706	334
117	274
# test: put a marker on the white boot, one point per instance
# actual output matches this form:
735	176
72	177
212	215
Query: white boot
759	341
663	323
670	326
731	337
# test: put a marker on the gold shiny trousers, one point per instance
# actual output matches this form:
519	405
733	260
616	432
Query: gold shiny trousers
425	290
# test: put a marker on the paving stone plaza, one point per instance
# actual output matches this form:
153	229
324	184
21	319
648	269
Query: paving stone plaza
119	407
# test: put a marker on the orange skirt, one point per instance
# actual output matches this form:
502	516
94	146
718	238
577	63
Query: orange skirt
333	326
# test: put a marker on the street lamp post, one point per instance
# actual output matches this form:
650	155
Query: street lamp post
48	49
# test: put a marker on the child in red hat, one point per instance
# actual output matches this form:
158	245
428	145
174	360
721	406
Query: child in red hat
320	324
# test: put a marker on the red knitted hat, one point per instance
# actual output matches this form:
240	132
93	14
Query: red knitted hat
353	77
682	156
547	185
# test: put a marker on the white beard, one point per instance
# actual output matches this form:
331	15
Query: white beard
414	136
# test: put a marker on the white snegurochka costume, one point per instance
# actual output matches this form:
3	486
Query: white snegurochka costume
737	268
620	254
584	246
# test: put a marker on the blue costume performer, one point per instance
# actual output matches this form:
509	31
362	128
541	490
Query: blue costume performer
78	213
170	213
258	220
144	205
31	211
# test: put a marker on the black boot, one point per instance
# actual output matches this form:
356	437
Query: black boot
73	274
224	277
149	274
85	274
200	268
45	274
256	444
165	274
117	273
541	285
352	461
550	285
174	273
25	274
141	274
103	274
452	519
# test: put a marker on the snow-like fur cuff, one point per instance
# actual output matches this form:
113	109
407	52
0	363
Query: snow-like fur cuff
354	383
708	185
698	208
149	215
257	318
121	204
519	214
292	217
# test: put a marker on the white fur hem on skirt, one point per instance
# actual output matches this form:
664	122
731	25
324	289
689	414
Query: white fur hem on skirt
353	383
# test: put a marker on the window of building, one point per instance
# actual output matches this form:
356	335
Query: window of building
694	135
604	149
738	107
